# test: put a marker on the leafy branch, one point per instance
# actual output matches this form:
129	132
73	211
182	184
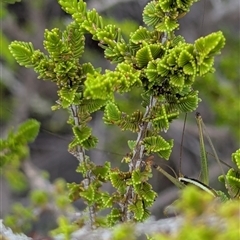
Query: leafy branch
153	59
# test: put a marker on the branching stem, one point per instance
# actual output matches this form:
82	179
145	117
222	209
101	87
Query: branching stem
81	157
137	158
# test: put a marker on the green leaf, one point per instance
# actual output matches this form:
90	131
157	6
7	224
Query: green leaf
137	209
76	8
67	96
111	113
117	179
88	68
184	58
81	133
148	53
141	35
99	86
190	68
114	217
74	38
131	144
93	22
101	172
159	145
162	68
152	15
206	66
136	177
152	72
22	52
177	80
167	25
90	105
88	194
236	158
90	142
211	44
54	44
107	200
147	193
188	102
165	153
232	178
28	130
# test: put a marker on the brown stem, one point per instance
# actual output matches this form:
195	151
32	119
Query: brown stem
137	158
79	153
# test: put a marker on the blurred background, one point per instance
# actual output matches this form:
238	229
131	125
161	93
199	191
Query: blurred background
24	96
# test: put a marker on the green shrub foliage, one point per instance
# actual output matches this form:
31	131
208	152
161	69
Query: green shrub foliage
232	178
14	149
153	59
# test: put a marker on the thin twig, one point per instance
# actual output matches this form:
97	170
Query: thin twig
137	158
79	153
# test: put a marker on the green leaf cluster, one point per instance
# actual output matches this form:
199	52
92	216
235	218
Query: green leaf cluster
221	219
14	147
65	228
163	15
232	178
222	89
20	218
152	59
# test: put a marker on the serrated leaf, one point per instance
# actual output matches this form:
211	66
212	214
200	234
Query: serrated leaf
165	153
67	96
163	69
184	58
188	103
131	144
74	38
206	66
107	200
88	68
210	44
111	113
159	145
167	25
189	68
147	193
88	194
22	52
117	180
137	209
90	142
81	133
90	105
28	130
148	53
152	15
141	35
74	7
136	177
101	172
177	81
151	71
236	158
